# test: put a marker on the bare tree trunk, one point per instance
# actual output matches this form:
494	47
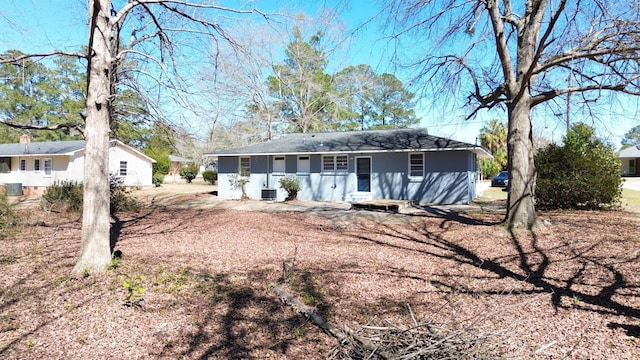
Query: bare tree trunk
95	250
521	212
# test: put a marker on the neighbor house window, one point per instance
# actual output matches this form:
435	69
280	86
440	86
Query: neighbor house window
245	166
304	164
23	165
416	165
47	167
5	165
335	163
36	165
123	168
279	164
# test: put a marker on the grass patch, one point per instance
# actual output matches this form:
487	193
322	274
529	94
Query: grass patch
632	197
492	194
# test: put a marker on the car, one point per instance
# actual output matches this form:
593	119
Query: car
502	179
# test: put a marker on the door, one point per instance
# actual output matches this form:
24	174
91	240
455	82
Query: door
363	173
632	166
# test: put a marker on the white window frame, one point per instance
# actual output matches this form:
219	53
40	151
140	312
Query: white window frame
125	168
44	167
328	163
413	175
37	165
304	164
244	166
22	165
279	164
338	163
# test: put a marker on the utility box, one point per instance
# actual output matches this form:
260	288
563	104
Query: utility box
269	194
13	189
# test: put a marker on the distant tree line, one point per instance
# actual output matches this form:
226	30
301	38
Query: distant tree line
41	95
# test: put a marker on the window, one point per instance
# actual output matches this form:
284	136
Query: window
5	165
245	166
36	165
416	165
279	164
47	167
304	164
328	163
123	168
23	165
342	163
335	163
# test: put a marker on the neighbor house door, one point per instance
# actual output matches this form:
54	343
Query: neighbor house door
632	167
363	173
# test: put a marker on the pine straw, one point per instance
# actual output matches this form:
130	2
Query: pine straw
569	290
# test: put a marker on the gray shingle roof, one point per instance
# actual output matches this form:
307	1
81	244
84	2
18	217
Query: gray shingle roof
630	152
353	141
41	148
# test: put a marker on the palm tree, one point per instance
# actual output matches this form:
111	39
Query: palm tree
493	136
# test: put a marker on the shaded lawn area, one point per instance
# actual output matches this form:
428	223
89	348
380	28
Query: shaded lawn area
203	279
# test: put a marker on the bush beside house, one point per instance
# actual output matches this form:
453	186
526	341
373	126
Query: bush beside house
584	173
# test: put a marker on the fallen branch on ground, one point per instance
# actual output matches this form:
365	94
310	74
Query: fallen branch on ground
341	335
421	340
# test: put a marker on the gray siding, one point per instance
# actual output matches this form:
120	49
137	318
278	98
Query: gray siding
449	178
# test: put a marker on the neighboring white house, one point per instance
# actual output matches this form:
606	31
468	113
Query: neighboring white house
37	165
630	157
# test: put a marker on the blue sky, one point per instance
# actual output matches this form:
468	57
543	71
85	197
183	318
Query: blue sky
43	25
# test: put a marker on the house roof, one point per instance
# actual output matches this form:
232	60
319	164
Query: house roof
55	148
630	152
175	158
41	148
395	140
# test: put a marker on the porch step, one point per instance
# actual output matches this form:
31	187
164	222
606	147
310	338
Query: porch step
383	205
359	197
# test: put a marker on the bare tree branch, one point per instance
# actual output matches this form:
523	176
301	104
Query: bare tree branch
42	127
7	60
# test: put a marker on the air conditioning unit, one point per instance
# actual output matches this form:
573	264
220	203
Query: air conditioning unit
269	194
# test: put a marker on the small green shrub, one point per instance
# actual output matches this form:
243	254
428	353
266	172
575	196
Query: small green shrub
210	176
239	182
134	289
86	271
67	196
291	184
63	195
120	198
116	259
158	179
189	172
7	215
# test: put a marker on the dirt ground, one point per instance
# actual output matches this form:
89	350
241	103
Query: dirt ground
196	275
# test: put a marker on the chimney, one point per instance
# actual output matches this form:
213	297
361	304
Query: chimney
25	139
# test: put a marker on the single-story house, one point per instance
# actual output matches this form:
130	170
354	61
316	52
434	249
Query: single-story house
36	165
177	163
630	157
403	164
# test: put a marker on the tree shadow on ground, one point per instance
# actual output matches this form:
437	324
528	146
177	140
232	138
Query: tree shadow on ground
450	214
239	320
139	227
530	262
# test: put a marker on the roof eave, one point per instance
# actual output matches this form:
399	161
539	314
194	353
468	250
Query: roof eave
477	150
